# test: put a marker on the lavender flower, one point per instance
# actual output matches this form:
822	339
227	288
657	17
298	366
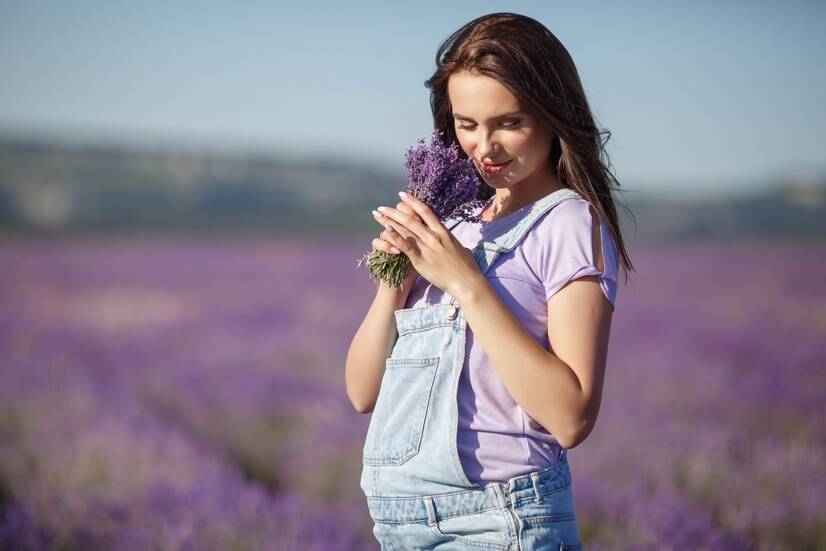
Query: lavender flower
446	183
443	180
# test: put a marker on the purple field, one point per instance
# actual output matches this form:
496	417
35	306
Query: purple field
175	393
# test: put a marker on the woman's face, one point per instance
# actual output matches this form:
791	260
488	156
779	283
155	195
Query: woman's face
492	128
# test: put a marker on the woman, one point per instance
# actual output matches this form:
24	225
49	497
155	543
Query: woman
497	341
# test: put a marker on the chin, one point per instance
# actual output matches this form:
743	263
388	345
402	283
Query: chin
502	182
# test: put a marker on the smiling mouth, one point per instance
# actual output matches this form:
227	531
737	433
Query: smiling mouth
494	168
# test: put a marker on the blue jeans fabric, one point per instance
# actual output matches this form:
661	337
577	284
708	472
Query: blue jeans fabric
533	511
418	494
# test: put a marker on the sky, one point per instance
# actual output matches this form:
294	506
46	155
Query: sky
699	97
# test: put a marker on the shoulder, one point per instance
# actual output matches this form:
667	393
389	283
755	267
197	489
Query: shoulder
570	215
571	241
571	222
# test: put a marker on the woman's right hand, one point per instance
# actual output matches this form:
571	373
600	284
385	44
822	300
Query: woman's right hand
382	243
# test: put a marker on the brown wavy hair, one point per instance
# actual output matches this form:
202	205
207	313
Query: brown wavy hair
533	65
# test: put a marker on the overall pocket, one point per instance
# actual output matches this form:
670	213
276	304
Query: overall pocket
397	422
483	530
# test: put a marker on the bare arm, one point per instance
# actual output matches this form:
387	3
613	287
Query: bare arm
371	346
562	387
374	340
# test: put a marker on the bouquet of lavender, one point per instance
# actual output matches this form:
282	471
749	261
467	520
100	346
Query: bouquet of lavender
442	180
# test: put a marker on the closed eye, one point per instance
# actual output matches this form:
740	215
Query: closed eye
514	124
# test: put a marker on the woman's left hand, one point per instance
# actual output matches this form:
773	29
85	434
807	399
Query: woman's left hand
435	253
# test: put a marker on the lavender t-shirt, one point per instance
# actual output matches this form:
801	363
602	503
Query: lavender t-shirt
496	439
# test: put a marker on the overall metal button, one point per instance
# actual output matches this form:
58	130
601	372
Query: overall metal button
453	312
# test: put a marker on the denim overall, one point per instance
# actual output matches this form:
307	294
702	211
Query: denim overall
417	492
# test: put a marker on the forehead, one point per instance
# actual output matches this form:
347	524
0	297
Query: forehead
479	96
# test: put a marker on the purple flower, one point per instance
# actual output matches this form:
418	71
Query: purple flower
440	178
445	182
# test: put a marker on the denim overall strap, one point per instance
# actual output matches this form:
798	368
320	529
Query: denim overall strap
411	445
486	252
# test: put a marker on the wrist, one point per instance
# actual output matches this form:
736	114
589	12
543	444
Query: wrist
396	296
469	288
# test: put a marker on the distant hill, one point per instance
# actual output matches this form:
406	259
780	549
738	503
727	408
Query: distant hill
791	210
57	188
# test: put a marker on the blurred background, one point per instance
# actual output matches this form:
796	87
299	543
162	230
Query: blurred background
185	188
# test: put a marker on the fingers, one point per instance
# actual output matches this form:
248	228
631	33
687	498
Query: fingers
397	222
387	240
380	244
405	224
403	207
407	209
423	211
402	223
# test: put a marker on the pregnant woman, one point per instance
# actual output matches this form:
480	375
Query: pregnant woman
487	366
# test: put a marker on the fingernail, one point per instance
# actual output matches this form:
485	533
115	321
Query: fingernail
402	194
376	214
382	209
395	250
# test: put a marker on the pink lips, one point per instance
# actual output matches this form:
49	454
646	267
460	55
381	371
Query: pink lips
494	169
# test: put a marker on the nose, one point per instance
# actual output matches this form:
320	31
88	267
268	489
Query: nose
487	147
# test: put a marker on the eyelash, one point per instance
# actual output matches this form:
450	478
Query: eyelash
468	127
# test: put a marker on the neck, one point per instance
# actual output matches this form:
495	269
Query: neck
513	198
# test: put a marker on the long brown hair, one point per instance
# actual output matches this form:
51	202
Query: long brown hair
527	59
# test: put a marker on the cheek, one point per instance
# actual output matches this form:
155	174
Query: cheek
464	143
530	149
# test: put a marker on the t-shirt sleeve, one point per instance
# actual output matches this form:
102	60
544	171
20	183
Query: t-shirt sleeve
566	251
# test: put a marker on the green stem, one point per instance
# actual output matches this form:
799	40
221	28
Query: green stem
390	268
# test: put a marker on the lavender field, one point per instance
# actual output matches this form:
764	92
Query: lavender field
175	393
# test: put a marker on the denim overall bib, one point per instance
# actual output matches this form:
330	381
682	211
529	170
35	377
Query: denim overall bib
417	492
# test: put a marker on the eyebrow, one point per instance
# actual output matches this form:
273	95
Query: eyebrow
458	116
